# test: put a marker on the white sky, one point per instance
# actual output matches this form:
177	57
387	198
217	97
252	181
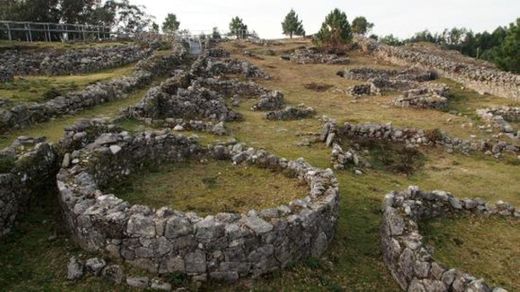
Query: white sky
399	17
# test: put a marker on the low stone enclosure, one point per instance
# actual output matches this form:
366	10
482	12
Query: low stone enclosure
27	170
26	114
332	134
223	246
500	118
413	82
482	79
314	56
408	257
73	61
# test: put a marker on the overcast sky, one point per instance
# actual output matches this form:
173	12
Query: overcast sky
399	17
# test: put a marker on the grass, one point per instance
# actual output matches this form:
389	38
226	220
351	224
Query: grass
487	247
353	261
53	129
7	45
40	88
194	186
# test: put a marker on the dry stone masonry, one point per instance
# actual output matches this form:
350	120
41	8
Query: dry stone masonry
430	96
291	113
500	118
483	79
314	56
6	74
73	61
269	101
26	114
408	257
413	137
27	168
413	82
223	246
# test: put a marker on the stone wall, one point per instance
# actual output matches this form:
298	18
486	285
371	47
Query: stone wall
27	171
413	137
314	56
6	74
24	115
223	246
73	61
482	79
405	253
500	118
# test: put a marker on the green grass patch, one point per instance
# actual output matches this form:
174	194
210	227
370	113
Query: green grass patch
210	187
41	88
483	247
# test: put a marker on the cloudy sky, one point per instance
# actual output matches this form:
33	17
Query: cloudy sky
399	17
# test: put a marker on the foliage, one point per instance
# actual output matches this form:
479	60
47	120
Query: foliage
170	24
216	34
390	40
238	28
508	55
502	46
335	30
292	25
361	25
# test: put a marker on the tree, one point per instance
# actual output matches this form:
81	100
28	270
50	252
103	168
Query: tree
335	31
170	24
77	11
361	25
292	25
130	19
216	34
508	54
390	40
237	27
155	27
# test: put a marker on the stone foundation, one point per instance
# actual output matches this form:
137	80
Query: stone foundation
431	96
313	56
28	169
222	247
483	79
405	253
291	113
413	137
27	114
500	118
73	61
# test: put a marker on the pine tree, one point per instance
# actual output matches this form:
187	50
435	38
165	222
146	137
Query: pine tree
170	24
292	25
361	25
335	31
237	27
508	54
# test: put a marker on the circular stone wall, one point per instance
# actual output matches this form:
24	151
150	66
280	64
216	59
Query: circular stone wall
224	246
406	255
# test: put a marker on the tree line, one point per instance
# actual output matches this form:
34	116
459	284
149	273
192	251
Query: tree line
501	46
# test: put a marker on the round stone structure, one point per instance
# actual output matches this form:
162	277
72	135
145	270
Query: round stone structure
224	246
405	253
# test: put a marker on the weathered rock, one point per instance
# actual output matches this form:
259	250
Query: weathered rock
75	269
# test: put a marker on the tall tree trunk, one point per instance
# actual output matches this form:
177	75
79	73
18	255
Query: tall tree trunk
290	34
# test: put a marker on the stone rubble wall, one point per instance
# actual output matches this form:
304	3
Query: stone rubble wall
313	56
430	96
216	67
6	74
222	247
413	137
230	88
405	253
500	118
291	113
73	61
482	79
24	115
28	168
269	101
